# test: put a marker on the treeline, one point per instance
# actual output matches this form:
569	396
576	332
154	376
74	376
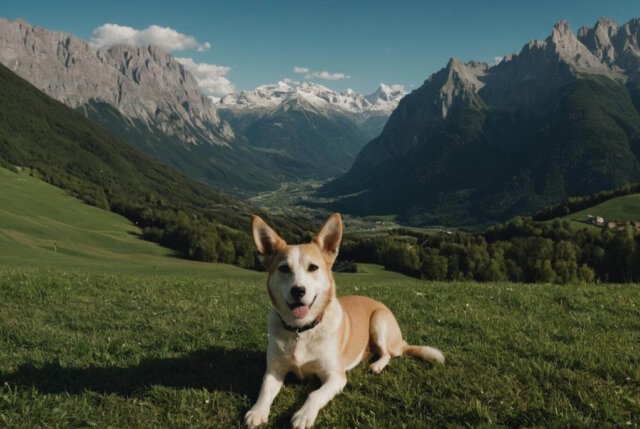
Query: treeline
520	250
576	204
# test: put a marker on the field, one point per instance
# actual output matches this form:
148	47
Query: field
114	331
619	209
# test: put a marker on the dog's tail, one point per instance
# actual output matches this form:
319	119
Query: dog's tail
424	352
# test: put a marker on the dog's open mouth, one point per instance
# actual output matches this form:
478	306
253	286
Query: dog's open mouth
300	310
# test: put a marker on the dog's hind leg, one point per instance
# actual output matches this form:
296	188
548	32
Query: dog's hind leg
386	338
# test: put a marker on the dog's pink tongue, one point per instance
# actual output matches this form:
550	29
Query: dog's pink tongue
300	312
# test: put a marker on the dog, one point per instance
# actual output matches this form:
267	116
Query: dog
311	331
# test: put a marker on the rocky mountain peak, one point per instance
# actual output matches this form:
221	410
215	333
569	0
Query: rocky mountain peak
386	97
561	30
599	39
458	82
144	84
572	52
615	45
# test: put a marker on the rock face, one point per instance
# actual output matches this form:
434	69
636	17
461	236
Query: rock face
143	84
478	144
616	46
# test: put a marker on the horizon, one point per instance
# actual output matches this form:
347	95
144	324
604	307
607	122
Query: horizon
337	51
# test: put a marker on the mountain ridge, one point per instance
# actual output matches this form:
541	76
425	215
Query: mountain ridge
383	100
151	100
145	84
478	143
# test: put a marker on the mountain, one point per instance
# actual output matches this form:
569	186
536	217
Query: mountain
69	151
142	94
383	101
616	46
306	129
478	143
143	84
369	112
148	98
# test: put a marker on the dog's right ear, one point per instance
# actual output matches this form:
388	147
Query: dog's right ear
267	241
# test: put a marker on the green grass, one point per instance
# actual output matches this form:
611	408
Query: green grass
34	215
111	350
114	331
621	209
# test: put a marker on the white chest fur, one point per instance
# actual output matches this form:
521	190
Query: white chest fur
314	351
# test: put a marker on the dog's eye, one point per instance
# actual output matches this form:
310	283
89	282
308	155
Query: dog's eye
284	269
312	267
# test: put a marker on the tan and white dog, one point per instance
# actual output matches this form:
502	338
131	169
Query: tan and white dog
311	332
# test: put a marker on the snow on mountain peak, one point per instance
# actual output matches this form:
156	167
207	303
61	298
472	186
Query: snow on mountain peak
383	101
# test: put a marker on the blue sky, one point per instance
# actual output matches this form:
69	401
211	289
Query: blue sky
399	42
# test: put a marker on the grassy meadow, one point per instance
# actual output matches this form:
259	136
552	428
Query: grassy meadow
114	331
621	209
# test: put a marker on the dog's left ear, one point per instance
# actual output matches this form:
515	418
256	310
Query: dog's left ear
329	236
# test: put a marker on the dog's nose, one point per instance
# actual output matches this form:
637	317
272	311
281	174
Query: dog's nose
298	292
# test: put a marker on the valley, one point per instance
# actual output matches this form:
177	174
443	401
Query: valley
474	145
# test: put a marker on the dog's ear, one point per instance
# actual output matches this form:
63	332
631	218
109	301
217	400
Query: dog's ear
329	236
266	239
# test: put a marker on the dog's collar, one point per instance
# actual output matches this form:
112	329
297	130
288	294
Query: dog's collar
301	329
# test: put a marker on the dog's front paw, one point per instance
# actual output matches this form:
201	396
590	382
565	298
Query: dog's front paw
256	417
304	418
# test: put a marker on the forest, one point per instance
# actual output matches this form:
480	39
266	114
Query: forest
520	250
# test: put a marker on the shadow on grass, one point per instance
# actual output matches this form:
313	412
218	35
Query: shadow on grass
235	371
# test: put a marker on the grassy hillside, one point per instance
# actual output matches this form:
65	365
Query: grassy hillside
112	331
619	209
71	152
34	215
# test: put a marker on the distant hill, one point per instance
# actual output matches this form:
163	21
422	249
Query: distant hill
39	222
35	215
478	144
69	151
619	209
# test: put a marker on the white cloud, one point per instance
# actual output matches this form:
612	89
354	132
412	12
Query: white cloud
326	75
204	47
498	60
290	81
211	78
165	37
308	74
